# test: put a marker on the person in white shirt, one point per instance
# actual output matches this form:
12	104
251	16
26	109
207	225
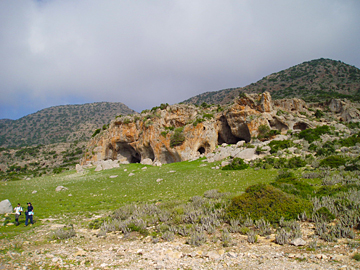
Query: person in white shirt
18	209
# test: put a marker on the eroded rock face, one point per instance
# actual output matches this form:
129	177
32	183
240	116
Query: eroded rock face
150	137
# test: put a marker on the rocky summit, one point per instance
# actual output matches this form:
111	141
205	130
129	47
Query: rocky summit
182	132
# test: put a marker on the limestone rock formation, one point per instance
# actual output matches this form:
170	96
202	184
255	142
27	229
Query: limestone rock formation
185	132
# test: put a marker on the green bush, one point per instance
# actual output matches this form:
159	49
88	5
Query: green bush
177	138
324	214
314	134
350	141
268	202
291	185
319	114
279	145
296	162
333	162
236	164
96	132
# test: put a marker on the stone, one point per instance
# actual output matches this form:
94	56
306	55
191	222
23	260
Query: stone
5	207
147	161
231	254
80	252
144	168
79	168
159	180
113	176
298	242
60	188
131	174
35	191
98	168
247	154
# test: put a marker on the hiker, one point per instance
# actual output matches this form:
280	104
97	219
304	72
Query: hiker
29	214
18	209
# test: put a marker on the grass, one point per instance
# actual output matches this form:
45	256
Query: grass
95	192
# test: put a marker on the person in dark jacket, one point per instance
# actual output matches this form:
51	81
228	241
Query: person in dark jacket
29	214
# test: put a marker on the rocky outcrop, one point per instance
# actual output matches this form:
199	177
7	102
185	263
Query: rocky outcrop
183	132
345	110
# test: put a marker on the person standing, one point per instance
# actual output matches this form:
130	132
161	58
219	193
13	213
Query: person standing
29	214
18	209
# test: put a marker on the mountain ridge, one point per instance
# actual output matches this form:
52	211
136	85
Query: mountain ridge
62	123
314	80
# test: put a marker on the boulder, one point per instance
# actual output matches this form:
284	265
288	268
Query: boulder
98	168
5	207
146	161
247	154
79	168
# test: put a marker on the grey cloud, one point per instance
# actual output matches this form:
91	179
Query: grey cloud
144	53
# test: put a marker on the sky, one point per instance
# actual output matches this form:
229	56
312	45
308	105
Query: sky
144	53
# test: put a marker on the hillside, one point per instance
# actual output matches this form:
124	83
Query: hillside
312	81
59	124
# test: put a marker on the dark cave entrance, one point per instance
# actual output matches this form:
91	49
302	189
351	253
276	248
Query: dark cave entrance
148	152
201	150
125	150
226	136
300	125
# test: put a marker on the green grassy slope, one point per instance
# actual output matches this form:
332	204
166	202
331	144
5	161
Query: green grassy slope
96	191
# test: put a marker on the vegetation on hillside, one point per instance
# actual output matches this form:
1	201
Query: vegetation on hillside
313	81
59	124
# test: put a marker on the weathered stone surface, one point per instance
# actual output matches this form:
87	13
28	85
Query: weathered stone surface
298	242
147	161
60	188
146	138
5	207
79	168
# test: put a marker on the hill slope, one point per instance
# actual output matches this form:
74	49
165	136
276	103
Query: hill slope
67	123
312	81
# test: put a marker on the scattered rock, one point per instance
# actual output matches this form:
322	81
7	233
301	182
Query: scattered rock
113	176
298	242
131	174
159	180
35	191
60	188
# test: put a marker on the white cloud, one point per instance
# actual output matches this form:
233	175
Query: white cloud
144	53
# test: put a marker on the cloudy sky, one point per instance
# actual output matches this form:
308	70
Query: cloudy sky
143	53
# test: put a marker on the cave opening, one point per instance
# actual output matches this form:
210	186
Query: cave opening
226	136
126	151
201	150
148	152
300	125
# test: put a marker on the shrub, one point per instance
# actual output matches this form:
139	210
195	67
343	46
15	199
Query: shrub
236	164
64	233
314	134
324	215
333	162
268	202
197	238
293	186
319	114
177	138
356	257
296	162
279	145
97	131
